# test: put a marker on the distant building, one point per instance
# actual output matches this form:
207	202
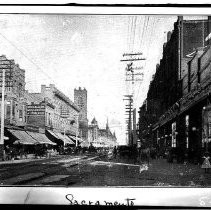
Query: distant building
80	99
101	137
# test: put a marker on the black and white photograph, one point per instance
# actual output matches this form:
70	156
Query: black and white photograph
105	100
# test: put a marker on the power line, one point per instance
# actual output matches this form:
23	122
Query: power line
150	42
134	33
27	57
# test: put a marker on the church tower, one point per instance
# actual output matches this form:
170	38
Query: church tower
80	99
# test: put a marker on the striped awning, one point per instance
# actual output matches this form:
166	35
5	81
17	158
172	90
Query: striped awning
41	138
64	138
69	141
53	134
23	137
76	139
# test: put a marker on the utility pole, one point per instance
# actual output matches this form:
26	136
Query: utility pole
129	120
131	75
4	64
134	127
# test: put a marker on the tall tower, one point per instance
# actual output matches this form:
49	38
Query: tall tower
80	99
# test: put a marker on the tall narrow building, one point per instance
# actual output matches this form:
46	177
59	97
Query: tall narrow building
80	99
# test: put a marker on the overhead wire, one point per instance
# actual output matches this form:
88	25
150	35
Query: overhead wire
145	26
150	43
29	59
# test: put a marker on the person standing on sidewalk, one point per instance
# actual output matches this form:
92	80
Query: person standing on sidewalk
206	163
115	152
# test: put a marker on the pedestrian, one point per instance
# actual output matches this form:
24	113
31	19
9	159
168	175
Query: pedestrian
206	163
115	152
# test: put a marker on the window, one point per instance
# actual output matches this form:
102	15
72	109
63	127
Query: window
187	130
173	143
209	130
21	115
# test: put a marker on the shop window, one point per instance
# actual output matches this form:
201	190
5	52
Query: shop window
173	135
209	130
21	115
187	130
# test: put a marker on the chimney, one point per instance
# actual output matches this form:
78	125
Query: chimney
52	86
43	87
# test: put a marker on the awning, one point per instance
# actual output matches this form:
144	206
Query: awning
53	134
41	138
64	138
69	141
23	137
74	138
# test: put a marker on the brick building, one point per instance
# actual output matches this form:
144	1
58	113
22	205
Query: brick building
14	93
175	118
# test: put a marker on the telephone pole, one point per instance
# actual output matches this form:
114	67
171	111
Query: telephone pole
132	75
128	111
4	65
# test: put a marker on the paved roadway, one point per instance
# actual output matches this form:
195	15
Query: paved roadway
92	170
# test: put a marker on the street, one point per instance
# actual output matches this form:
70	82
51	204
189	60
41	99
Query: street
95	170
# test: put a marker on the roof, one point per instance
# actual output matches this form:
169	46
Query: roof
94	121
66	99
34	97
38	98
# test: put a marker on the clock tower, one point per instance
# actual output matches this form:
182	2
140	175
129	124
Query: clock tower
80	99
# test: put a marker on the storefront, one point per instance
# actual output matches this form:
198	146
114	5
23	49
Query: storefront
187	129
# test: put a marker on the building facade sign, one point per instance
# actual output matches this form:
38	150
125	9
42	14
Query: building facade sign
32	128
174	140
170	114
196	94
36	109
184	103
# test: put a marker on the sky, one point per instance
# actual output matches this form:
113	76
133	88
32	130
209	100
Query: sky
74	51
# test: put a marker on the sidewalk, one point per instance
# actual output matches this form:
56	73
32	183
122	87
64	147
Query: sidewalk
30	158
162	173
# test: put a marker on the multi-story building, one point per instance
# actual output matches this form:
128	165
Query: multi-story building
80	99
175	120
53	111
14	92
101	137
